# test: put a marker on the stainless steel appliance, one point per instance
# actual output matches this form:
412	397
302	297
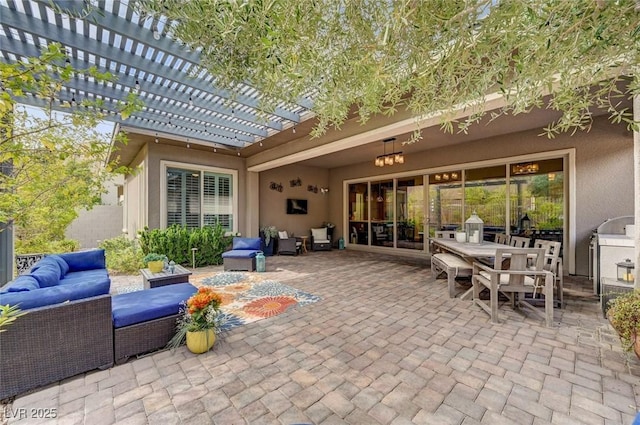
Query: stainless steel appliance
611	243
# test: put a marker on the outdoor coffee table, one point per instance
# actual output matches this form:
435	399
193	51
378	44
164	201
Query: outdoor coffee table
165	277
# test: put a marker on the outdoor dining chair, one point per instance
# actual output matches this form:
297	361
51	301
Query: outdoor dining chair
553	263
519	242
516	272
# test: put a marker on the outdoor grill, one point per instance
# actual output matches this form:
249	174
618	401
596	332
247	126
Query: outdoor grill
611	243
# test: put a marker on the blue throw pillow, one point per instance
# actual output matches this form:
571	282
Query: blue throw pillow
46	261
47	275
21	283
64	267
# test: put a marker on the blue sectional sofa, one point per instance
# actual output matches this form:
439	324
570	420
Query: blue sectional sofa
242	255
67	328
59	278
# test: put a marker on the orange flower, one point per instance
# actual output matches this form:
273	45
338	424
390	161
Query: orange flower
202	299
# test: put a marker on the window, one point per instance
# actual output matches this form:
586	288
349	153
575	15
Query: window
199	197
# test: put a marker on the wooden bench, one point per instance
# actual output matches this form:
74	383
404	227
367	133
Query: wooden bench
452	265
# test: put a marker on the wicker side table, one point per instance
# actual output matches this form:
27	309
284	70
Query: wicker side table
153	280
610	288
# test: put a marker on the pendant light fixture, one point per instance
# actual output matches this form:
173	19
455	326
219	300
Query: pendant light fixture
389	158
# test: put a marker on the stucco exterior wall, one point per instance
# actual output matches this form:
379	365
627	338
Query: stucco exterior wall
604	172
273	210
93	226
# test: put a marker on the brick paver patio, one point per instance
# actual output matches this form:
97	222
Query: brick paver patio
383	346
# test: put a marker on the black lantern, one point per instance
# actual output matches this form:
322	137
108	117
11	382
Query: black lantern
625	271
525	222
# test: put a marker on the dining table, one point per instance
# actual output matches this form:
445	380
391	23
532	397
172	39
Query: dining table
482	252
467	250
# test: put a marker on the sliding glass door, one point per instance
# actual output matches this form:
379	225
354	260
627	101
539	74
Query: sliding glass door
512	198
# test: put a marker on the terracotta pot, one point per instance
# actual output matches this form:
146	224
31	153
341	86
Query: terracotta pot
199	342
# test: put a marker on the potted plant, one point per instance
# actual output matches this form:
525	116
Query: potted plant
624	315
200	321
268	234
154	262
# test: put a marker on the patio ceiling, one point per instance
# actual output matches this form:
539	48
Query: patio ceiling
180	102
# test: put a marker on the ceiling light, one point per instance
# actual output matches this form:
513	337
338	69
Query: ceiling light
389	158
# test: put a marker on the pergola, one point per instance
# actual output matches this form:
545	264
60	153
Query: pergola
181	101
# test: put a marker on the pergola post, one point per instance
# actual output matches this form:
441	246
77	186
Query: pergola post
636	187
6	240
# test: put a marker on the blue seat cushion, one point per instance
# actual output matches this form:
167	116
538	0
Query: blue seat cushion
142	306
239	253
85	260
97	275
20	284
54	294
246	243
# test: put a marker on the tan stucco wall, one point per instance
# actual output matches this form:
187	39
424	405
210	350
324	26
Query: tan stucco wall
160	152
273	210
604	172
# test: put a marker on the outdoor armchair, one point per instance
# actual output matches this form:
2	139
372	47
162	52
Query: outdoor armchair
320	240
287	244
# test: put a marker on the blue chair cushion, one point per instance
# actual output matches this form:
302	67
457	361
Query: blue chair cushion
239	253
85	260
47	275
98	275
246	243
142	306
20	284
54	294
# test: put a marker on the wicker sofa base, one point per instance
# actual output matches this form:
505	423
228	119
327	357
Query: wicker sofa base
55	342
248	264
142	337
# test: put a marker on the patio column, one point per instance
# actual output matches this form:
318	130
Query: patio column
636	186
6	240
252	227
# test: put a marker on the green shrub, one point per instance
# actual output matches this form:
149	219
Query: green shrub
176	243
123	255
38	246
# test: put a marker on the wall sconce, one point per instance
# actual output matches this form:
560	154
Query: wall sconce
324	190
